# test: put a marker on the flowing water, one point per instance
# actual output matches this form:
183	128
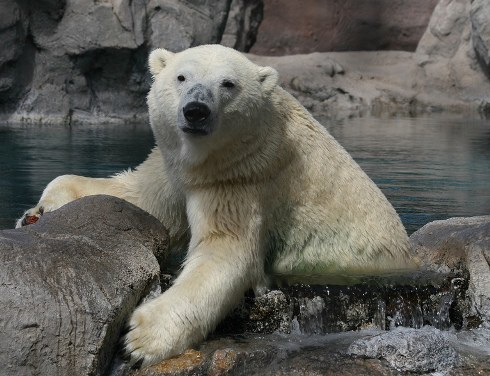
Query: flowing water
429	168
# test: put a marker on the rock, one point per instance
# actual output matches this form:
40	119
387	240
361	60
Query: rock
409	350
329	354
69	283
461	245
271	355
13	31
242	25
443	74
349	25
178	25
480	32
84	61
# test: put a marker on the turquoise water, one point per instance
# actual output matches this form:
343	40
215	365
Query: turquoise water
429	168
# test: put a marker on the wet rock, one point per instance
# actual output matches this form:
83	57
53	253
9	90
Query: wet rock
409	350
460	244
69	283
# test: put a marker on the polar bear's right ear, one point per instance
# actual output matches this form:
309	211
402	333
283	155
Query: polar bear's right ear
158	60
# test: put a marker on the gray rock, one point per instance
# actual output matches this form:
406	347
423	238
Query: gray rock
412	350
180	25
80	61
242	25
443	74
480	32
460	244
13	31
69	283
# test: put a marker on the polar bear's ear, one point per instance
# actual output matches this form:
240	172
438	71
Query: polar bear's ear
158	60
268	77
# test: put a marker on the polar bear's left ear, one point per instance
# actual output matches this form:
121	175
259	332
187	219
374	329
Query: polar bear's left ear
158	60
268	77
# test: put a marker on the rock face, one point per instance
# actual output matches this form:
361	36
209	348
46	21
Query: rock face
409	350
69	283
77	61
480	33
445	73
67	61
349	25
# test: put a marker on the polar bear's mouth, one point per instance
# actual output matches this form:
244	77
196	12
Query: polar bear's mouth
196	131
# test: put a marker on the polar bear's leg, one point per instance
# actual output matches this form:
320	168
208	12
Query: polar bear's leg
148	187
224	261
210	285
65	189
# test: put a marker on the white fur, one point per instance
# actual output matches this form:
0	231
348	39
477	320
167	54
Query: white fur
269	194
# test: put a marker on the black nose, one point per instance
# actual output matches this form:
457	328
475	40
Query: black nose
195	112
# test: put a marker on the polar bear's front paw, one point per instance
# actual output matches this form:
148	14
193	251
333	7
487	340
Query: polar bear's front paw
30	216
153	336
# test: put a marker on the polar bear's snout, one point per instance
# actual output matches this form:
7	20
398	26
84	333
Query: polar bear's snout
196	114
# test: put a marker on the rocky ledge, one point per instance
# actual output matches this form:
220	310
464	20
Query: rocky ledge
69	283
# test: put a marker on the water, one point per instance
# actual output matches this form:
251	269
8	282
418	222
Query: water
429	168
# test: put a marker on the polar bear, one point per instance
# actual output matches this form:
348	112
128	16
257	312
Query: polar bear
261	189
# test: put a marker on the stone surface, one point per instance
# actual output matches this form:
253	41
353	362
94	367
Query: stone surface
84	61
299	27
69	282
243	23
443	74
460	245
480	32
409	350
51	73
277	354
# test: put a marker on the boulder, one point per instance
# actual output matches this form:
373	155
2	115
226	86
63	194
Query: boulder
409	350
69	283
460	245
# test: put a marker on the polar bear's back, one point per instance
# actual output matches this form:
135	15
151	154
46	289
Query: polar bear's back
336	220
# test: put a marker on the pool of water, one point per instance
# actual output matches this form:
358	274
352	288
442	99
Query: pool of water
429	168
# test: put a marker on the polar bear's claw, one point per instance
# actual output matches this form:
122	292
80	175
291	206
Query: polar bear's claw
30	217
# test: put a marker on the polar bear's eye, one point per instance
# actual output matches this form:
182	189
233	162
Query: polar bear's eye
228	84
181	78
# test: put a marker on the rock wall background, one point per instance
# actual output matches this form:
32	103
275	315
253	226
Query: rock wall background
85	61
65	61
292	27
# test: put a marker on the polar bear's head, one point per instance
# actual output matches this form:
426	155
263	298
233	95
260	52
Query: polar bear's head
206	96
